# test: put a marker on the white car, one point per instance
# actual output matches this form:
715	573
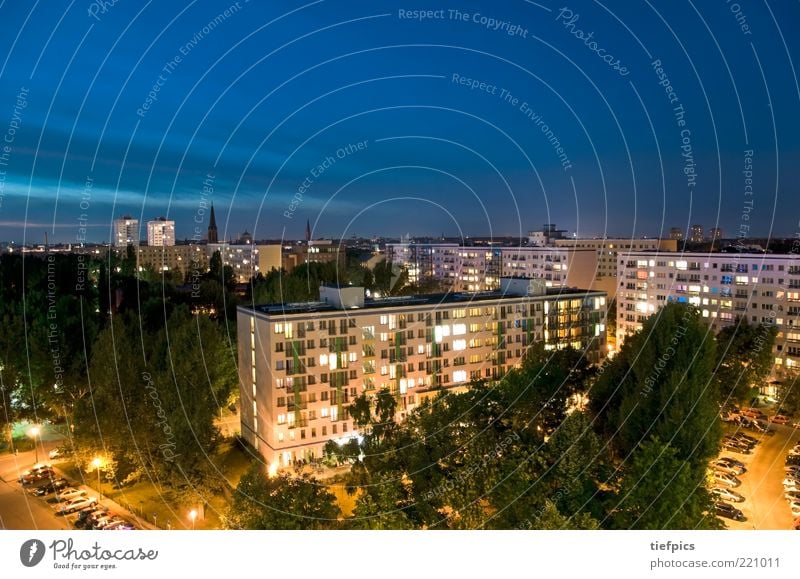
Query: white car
790	484
795	507
727	479
77	504
70	493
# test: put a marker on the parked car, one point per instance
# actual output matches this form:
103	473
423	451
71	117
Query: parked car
83	517
730	461
751	412
101	522
745	438
797	524
728	511
791	484
726	494
727	479
70	493
735	447
779	419
77	504
795	507
796	425
724	467
34	476
791	495
792	460
120	526
50	487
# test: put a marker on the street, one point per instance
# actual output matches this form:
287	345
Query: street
765	506
18	508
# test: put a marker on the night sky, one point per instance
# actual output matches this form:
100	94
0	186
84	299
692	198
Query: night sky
364	118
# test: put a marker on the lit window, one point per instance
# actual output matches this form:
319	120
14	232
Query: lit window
460	376
459	345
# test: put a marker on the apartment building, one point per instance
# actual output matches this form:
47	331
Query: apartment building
478	268
184	259
608	251
161	232
314	251
761	288
126	231
247	259
301	365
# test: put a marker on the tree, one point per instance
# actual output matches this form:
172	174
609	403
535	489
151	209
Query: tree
382	505
662	491
744	358
789	394
281	502
662	384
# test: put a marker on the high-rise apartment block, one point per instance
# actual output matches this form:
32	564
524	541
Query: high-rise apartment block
126	231
161	232
301	365
725	287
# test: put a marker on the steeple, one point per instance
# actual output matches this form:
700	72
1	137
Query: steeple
308	230
212	226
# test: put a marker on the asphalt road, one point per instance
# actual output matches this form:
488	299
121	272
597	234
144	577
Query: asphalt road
764	505
19	509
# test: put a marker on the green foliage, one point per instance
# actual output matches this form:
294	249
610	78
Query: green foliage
281	502
662	384
744	359
662	491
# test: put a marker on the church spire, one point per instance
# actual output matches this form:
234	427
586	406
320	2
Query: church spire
212	226
308	230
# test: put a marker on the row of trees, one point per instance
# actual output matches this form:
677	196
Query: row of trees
523	453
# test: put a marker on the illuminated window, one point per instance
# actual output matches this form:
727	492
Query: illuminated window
459	345
460	376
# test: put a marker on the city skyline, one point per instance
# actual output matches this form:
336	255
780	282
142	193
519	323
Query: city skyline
509	115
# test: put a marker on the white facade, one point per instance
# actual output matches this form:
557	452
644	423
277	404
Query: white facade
479	268
301	365
161	232
761	288
126	232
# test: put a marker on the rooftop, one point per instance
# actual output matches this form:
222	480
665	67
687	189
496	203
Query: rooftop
421	300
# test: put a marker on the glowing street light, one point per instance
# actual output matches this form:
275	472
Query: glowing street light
33	433
193	516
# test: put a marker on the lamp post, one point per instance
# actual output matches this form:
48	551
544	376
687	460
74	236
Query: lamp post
33	433
193	516
96	463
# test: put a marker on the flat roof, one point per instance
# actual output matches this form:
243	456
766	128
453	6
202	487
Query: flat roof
419	300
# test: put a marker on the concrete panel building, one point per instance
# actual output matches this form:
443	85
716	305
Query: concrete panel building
301	365
726	287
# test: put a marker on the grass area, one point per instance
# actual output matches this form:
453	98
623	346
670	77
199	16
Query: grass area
165	506
346	502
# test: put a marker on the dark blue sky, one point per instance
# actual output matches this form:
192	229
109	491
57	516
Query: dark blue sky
261	96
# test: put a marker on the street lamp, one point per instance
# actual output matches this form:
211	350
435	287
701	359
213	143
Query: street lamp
96	463
33	433
193	516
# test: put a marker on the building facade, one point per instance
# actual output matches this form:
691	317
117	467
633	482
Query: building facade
183	259
246	259
161	232
725	287
126	231
301	365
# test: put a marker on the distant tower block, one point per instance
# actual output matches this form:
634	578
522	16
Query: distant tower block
212	226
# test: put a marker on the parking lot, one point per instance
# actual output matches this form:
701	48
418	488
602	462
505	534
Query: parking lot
765	507
21	508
